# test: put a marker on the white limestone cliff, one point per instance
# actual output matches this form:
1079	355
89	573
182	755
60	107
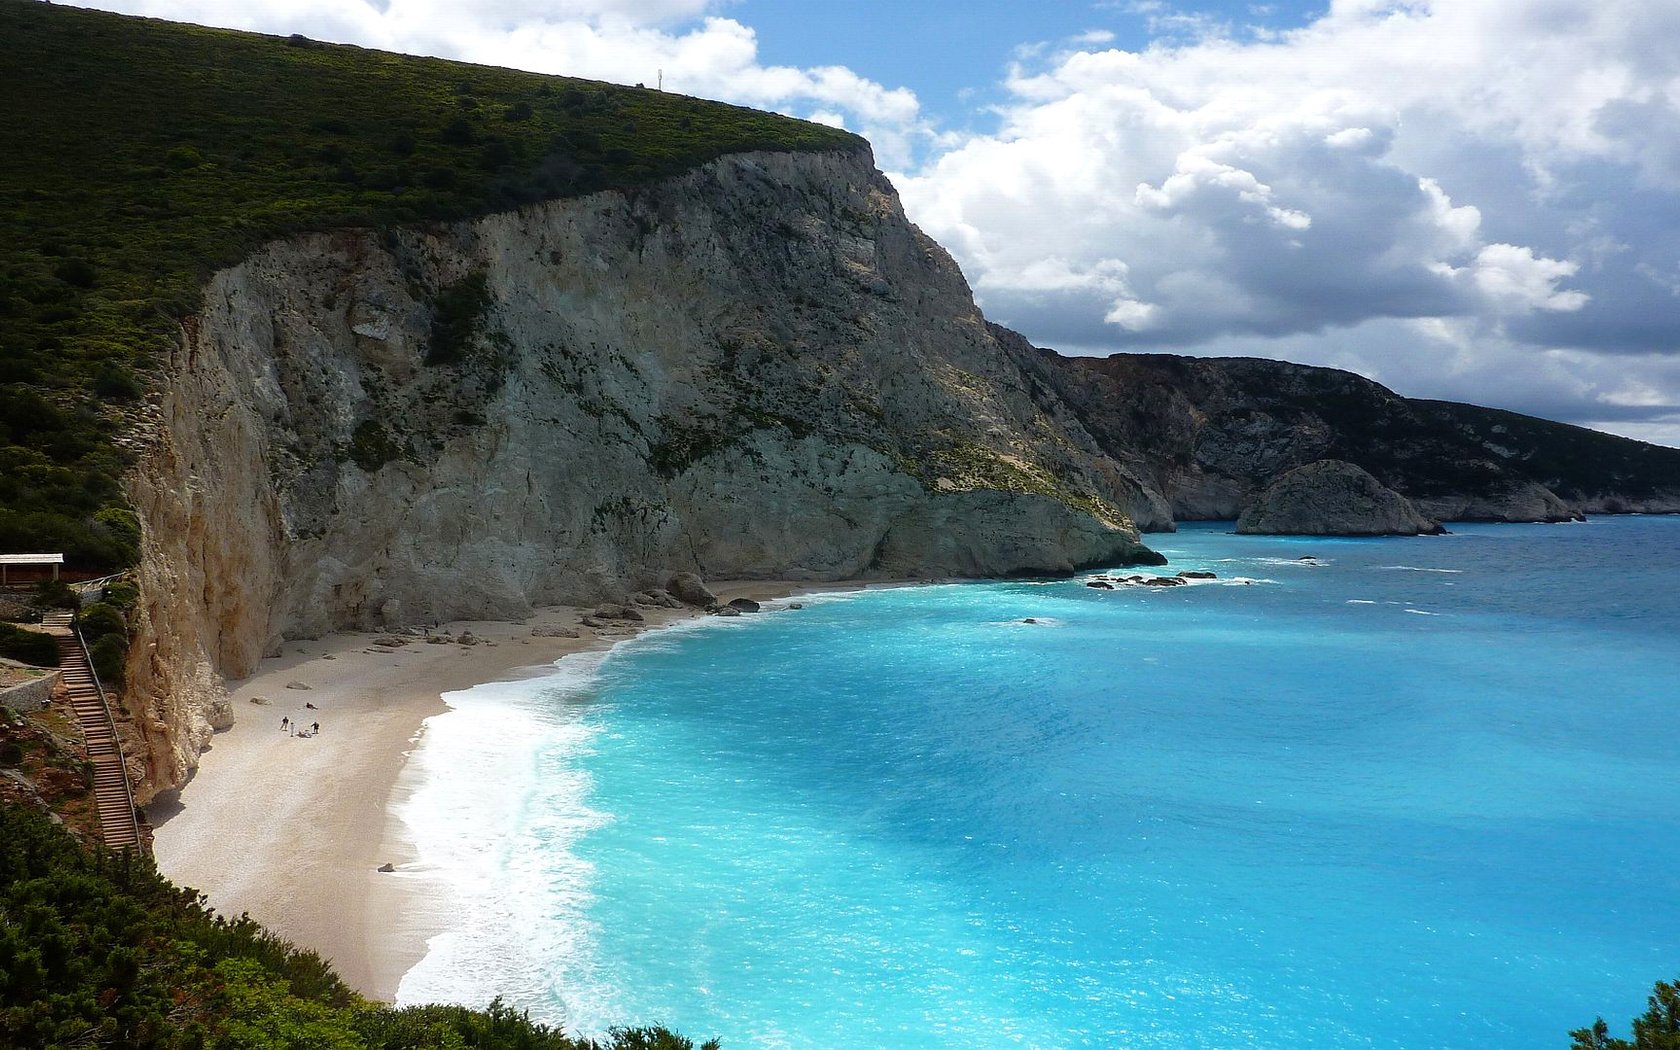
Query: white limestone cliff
758	369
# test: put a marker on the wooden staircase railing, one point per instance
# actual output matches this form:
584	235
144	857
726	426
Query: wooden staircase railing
118	826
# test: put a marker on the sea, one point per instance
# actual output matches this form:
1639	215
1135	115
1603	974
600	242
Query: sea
1404	793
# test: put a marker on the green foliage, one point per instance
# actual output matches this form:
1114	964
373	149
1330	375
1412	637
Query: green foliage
1658	1028
122	593
98	949
371	446
158	153
682	444
31	647
109	655
98	619
55	594
457	316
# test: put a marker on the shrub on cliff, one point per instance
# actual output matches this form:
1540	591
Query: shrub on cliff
109	655
98	619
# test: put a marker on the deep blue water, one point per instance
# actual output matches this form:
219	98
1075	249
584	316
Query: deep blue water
1420	794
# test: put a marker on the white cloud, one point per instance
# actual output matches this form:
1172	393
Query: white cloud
1506	172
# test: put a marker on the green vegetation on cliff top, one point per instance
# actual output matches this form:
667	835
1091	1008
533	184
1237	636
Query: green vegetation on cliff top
144	155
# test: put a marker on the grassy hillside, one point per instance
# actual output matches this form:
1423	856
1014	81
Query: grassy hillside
143	155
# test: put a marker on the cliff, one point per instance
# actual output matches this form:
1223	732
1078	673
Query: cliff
757	369
1209	434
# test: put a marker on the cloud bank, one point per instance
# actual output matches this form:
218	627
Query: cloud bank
1469	200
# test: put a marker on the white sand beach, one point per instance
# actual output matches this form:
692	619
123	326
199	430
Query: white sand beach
292	830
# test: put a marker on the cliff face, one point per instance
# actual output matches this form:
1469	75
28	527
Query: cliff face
1210	434
758	369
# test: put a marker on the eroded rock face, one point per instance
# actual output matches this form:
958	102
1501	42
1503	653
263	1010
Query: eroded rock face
759	369
1333	498
1521	501
1209	434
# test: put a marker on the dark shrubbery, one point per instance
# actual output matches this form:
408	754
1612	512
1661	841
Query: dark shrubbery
122	593
457	315
31	647
100	950
99	619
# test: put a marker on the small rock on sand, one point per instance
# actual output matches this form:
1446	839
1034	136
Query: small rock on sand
387	867
298	685
261	701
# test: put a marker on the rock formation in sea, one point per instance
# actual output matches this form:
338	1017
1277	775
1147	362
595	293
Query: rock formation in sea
1330	497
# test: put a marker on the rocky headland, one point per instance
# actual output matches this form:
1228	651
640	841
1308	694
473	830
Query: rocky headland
1333	498
1210	434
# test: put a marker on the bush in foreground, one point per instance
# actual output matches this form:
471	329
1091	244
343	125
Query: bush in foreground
98	949
1658	1028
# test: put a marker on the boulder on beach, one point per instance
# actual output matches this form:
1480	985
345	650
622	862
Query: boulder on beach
689	588
554	632
746	605
726	610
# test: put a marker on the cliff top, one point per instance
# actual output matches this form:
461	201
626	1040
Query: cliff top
151	154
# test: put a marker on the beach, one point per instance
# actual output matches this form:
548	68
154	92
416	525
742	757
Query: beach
293	829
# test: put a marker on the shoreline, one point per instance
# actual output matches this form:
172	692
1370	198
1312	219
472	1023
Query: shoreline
292	830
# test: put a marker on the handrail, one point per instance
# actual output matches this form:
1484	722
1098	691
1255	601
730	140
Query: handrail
111	725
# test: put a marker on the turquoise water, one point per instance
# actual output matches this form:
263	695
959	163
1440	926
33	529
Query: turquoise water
1420	794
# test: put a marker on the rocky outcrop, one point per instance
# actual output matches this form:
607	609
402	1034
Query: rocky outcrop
758	369
1208	434
1333	498
1524	501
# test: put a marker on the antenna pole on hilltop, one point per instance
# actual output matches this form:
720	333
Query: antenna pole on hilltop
661	81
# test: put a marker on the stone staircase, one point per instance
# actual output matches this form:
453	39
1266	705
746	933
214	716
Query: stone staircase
117	824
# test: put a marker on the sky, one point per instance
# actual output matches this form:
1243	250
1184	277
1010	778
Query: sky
1476	200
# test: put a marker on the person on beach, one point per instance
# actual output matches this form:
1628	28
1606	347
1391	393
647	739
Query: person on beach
315	728
285	723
